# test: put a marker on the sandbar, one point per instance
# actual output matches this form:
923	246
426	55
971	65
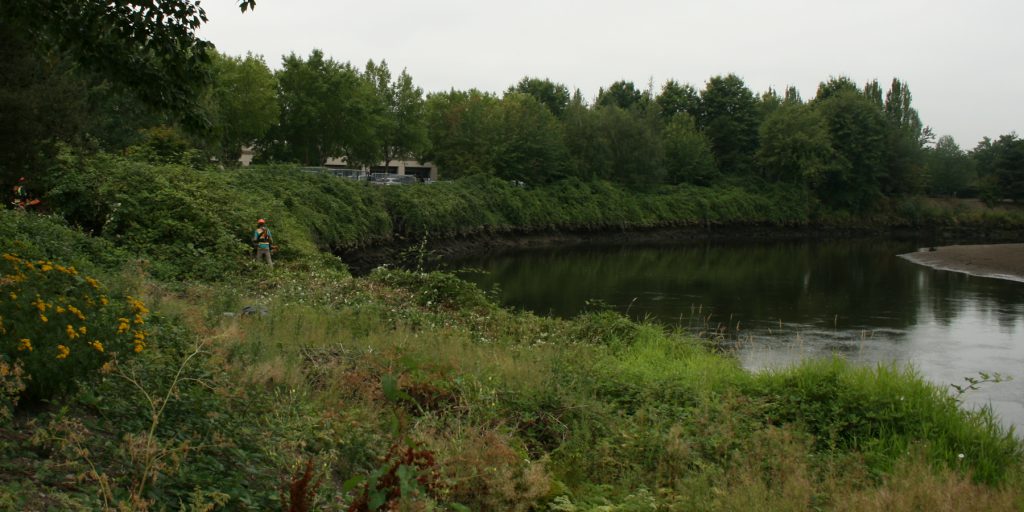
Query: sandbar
1001	261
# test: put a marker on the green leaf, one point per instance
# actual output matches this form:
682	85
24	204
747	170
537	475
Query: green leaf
352	483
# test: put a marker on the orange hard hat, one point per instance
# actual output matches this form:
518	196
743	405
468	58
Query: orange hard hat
261	221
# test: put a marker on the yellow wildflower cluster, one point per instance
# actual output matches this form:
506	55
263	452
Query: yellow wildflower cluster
138	335
41	290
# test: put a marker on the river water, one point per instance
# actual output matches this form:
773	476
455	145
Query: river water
775	303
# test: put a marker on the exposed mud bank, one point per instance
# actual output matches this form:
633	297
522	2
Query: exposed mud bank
411	252
1000	261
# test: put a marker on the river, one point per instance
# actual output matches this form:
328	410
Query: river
775	303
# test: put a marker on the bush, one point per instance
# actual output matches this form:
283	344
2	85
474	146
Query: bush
435	289
60	325
884	411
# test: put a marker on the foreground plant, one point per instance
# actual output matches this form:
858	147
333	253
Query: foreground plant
60	325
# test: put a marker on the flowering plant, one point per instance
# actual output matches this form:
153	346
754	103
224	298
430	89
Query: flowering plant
60	325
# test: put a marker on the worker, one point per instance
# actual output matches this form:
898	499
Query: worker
20	192
263	240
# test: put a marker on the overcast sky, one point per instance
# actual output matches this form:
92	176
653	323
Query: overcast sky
962	60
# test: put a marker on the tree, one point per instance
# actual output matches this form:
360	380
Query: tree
730	119
905	159
41	103
769	102
792	96
688	157
614	144
151	47
621	94
1000	165
327	110
950	171
464	128
243	103
795	146
834	86
531	148
856	129
553	96
401	129
873	92
675	99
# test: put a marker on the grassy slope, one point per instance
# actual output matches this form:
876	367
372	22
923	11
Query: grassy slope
200	220
514	410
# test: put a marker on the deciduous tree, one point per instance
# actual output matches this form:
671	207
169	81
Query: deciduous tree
621	94
531	147
729	117
688	156
327	110
949	170
243	103
401	129
553	96
795	146
464	128
148	46
676	98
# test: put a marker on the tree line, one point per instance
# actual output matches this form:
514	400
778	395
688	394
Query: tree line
850	144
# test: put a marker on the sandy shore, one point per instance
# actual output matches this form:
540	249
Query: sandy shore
1001	261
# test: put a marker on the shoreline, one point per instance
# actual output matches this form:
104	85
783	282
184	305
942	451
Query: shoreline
997	261
363	259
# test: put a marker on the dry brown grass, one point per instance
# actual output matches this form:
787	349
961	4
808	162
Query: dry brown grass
914	486
485	471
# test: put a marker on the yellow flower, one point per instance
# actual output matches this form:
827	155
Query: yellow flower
46	268
14	296
77	312
139	335
139	346
139	320
43	319
103	300
25	344
62	352
97	345
123	326
82	330
40	304
12	258
92	282
72	334
137	305
59	309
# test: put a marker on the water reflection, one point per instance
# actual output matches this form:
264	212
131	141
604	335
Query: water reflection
775	303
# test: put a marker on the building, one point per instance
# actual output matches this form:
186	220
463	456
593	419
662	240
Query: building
421	170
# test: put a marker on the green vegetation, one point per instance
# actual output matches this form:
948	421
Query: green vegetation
411	389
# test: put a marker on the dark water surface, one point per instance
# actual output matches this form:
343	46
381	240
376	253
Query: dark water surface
780	302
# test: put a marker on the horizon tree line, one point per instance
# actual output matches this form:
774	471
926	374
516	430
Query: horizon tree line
851	145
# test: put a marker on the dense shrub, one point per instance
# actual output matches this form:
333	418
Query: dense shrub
884	411
60	325
435	289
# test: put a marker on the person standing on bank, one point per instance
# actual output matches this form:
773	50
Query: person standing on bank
263	240
20	193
